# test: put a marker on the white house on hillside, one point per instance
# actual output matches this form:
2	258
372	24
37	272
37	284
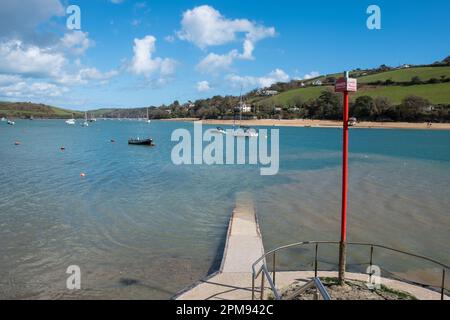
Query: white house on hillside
246	108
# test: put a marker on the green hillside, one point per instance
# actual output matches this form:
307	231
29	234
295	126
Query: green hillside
405	75
293	97
438	93
28	109
324	77
101	112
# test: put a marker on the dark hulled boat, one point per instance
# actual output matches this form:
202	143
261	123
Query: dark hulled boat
141	142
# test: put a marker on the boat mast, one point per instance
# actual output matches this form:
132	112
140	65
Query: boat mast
240	108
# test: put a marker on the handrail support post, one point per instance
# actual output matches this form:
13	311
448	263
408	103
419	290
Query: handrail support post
253	286
262	285
315	261
370	264
274	267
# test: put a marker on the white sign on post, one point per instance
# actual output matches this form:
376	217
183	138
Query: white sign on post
346	84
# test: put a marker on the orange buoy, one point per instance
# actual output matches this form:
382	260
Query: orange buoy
82	174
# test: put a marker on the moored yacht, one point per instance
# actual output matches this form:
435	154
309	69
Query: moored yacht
85	123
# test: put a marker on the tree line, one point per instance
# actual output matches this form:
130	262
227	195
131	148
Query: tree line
328	105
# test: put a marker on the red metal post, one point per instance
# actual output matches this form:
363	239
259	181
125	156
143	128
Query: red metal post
342	247
344	168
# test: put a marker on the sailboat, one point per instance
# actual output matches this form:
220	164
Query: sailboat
242	131
148	119
85	123
92	119
70	121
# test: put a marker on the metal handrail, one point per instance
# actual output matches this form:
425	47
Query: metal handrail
271	283
321	288
315	282
372	246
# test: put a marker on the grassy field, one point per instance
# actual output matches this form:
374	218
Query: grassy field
26	110
405	75
436	93
324	77
292	97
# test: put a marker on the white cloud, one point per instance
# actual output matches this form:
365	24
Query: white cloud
25	89
275	76
20	18
19	61
213	63
144	64
312	74
95	74
205	26
16	86
31	60
38	64
7	79
77	42
84	75
117	1
203	86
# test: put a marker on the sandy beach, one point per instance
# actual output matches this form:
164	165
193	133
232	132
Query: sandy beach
324	123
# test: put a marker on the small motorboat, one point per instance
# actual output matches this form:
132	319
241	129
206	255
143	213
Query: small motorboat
11	122
70	121
245	132
141	142
220	130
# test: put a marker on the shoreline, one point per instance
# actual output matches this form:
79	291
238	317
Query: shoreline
321	123
299	123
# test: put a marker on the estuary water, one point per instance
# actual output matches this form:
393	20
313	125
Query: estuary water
140	227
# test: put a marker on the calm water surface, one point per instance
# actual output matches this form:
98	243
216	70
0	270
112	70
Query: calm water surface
140	227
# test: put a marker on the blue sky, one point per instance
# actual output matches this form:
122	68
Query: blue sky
140	53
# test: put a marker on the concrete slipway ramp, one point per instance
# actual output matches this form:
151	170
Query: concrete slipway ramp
243	247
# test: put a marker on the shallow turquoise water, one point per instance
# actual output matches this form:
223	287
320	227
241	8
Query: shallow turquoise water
140	227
